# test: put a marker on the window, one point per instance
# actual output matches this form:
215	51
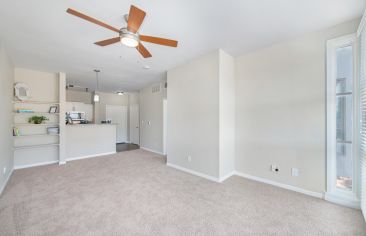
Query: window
344	115
342	111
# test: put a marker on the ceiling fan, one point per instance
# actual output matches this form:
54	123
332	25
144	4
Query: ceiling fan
129	35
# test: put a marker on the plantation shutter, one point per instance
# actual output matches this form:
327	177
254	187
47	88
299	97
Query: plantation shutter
362	32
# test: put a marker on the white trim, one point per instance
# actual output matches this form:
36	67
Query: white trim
285	186
36	164
90	156
165	125
61	163
193	172
6	182
225	177
362	24
354	203
151	150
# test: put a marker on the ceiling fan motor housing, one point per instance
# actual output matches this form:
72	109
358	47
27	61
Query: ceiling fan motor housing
128	38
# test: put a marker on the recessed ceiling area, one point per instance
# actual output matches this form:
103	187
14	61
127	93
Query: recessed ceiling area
41	35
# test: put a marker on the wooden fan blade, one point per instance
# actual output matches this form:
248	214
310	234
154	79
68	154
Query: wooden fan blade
144	52
135	19
90	19
161	41
108	41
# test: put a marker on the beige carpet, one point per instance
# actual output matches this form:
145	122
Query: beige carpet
135	193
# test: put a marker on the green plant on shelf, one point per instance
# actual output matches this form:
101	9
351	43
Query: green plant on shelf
37	119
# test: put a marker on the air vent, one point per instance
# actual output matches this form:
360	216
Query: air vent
155	89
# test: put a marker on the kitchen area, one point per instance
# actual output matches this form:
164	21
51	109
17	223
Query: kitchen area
53	122
104	126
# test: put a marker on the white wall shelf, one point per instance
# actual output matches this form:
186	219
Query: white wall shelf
36	102
35	135
35	113
30	124
36	146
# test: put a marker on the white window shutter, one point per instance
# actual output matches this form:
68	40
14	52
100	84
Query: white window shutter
363	117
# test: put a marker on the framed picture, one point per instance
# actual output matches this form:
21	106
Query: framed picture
22	91
53	109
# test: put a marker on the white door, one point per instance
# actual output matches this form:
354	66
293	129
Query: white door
134	124
118	116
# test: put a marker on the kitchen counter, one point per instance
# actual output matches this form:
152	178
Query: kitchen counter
90	140
88	124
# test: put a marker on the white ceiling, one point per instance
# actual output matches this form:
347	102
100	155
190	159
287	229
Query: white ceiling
39	34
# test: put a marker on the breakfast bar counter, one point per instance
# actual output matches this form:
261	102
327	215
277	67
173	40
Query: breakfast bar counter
90	140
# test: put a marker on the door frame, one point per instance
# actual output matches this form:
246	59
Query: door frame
165	125
138	122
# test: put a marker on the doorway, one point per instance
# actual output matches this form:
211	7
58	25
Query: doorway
134	124
118	116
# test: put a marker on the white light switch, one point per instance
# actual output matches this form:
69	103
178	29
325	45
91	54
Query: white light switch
295	172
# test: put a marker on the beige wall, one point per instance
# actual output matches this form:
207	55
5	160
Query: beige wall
134	98
79	96
151	119
43	85
280	97
193	115
201	115
227	113
6	109
108	99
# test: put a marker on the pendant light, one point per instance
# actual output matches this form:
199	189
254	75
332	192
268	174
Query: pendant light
96	95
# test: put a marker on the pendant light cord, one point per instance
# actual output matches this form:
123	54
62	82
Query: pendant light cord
97	80
97	73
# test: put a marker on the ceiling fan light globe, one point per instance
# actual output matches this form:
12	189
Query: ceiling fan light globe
129	39
129	42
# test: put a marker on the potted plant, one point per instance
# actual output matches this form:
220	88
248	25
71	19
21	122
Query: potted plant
37	119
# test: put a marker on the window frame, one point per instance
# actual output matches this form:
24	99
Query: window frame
334	194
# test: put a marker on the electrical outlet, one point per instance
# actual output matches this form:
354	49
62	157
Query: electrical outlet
189	158
295	172
4	170
275	168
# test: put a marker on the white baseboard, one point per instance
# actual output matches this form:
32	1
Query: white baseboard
194	172
285	186
90	156
353	203
151	150
225	177
34	165
6	182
